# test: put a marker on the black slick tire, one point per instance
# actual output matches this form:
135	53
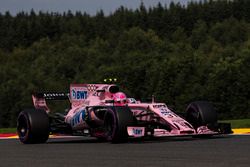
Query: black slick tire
116	121
201	113
33	126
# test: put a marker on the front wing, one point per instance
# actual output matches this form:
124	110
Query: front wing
222	128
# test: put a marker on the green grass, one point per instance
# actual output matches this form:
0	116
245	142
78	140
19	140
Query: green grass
238	123
8	130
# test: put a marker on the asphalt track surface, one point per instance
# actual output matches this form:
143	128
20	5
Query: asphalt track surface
230	151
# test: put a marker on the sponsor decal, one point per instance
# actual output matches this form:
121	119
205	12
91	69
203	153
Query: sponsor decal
165	111
78	117
136	131
159	106
79	94
182	123
92	88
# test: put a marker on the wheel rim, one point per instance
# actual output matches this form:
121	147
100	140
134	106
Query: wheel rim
22	127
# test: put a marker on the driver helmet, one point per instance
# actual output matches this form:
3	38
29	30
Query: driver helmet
120	99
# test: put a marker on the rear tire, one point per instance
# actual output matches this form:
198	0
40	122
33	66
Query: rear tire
116	121
33	126
201	113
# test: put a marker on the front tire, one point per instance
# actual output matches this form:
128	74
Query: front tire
33	126
201	113
116	121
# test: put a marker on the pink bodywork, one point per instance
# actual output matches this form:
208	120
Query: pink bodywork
86	95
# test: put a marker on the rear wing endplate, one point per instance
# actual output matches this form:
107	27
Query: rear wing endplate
39	99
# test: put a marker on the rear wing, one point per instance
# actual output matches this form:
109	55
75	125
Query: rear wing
51	95
39	99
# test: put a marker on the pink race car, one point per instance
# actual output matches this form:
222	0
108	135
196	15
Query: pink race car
102	111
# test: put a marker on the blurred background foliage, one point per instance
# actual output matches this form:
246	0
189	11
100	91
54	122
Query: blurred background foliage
178	54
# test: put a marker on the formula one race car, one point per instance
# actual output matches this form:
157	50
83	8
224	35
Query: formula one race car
102	111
